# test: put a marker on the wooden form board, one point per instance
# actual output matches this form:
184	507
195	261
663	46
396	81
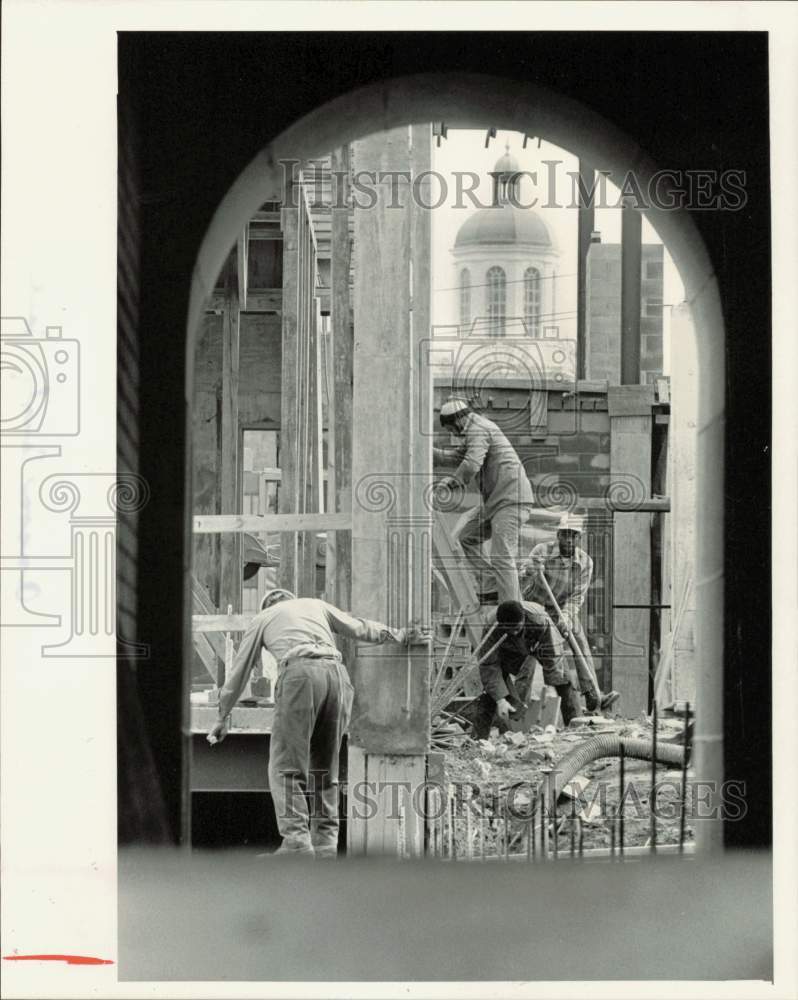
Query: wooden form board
392	467
630	454
339	443
393	787
230	548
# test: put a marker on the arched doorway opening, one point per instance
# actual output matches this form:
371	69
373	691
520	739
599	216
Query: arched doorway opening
471	101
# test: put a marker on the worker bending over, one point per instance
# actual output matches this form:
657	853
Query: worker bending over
313	704
568	571
528	635
506	493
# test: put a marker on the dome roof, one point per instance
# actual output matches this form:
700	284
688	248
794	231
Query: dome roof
504	224
506	164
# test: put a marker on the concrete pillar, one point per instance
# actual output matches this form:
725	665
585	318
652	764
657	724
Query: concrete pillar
631	254
392	465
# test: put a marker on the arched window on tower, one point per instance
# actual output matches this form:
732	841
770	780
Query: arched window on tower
532	301
465	300
497	301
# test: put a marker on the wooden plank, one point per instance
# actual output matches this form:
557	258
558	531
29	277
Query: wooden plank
206	654
631	400
357	790
630	454
288	410
221	623
340	410
450	564
230	554
242	266
264	300
205	524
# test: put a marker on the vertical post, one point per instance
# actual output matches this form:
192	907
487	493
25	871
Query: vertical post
631	259
341	332
390	450
630	474
585	226
230	556
288	415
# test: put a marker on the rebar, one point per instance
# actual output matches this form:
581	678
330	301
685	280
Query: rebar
622	797
652	814
683	794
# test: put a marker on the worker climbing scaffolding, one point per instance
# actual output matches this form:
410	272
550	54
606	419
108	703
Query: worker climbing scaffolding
506	498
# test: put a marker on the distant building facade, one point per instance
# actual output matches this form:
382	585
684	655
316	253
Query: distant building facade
603	319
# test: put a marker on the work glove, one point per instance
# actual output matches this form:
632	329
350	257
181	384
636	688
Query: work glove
564	623
219	731
503	709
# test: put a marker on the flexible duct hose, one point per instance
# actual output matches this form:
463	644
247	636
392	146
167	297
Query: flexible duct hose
610	746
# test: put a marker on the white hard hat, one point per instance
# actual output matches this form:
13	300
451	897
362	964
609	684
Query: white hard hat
453	406
271	596
571	522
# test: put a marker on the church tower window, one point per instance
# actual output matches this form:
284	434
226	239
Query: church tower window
465	300
497	301
532	301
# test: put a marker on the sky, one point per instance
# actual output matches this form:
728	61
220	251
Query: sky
464	150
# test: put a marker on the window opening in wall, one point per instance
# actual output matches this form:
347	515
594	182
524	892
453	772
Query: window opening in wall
497	301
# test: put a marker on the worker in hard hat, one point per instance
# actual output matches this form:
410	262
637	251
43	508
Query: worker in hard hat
528	635
568	571
506	493
312	707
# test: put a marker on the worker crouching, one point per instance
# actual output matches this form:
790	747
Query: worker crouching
313	704
523	635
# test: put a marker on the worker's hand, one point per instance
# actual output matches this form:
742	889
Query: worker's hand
564	623
447	493
503	709
219	731
415	635
525	570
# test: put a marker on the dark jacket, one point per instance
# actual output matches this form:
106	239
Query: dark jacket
540	638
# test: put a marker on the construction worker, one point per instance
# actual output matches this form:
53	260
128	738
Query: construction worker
313	703
527	635
568	571
507	499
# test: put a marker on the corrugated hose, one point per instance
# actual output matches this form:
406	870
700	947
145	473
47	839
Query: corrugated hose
609	745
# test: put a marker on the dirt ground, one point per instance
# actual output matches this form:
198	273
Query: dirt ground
497	780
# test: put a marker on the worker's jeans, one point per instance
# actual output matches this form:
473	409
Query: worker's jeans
500	573
313	703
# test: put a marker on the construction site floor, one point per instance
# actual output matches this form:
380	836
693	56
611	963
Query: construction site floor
485	774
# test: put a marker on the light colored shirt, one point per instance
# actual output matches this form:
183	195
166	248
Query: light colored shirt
568	578
488	454
281	628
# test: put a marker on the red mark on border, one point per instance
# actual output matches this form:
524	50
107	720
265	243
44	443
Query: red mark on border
69	959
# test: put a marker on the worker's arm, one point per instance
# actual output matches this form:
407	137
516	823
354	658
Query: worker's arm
573	603
535	563
447	456
369	631
245	659
477	444
490	672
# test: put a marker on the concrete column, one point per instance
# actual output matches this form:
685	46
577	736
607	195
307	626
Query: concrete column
392	465
631	254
